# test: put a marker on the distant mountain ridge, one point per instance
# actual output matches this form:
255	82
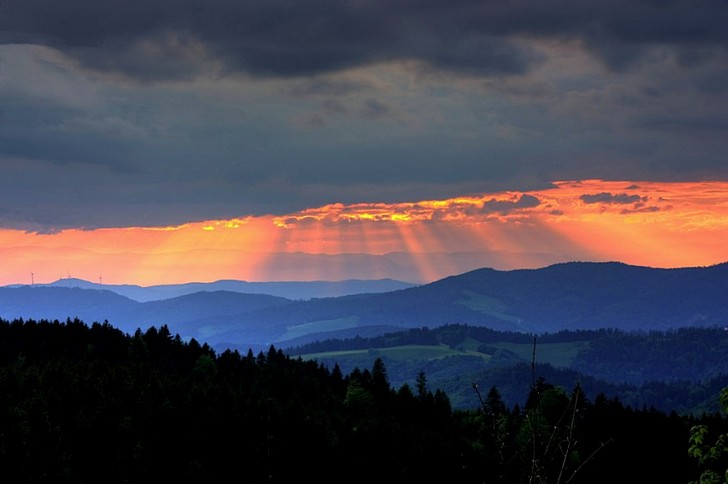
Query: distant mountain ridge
298	290
563	296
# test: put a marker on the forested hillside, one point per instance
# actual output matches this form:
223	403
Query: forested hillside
682	369
89	403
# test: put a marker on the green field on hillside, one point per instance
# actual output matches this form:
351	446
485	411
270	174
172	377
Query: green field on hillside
297	331
556	354
398	353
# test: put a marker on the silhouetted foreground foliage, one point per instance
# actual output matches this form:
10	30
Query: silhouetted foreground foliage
710	449
87	403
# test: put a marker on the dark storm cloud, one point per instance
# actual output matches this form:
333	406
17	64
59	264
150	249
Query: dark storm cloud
505	206
606	197
170	39
284	105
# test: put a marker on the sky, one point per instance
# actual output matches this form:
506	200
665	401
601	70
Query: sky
174	141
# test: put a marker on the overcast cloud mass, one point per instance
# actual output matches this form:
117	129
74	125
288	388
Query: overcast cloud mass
161	112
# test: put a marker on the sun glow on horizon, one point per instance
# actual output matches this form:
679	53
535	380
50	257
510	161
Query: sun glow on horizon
642	223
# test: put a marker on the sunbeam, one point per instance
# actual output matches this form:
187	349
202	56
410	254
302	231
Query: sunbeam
641	223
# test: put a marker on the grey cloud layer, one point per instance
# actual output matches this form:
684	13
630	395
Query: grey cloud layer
167	39
156	112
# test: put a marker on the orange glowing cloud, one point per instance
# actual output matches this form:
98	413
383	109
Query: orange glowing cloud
641	223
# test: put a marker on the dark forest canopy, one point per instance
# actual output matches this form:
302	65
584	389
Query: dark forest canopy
89	403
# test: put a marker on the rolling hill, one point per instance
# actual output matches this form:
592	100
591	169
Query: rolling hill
682	369
565	296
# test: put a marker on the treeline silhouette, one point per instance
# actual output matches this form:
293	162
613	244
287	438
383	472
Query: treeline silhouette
84	403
